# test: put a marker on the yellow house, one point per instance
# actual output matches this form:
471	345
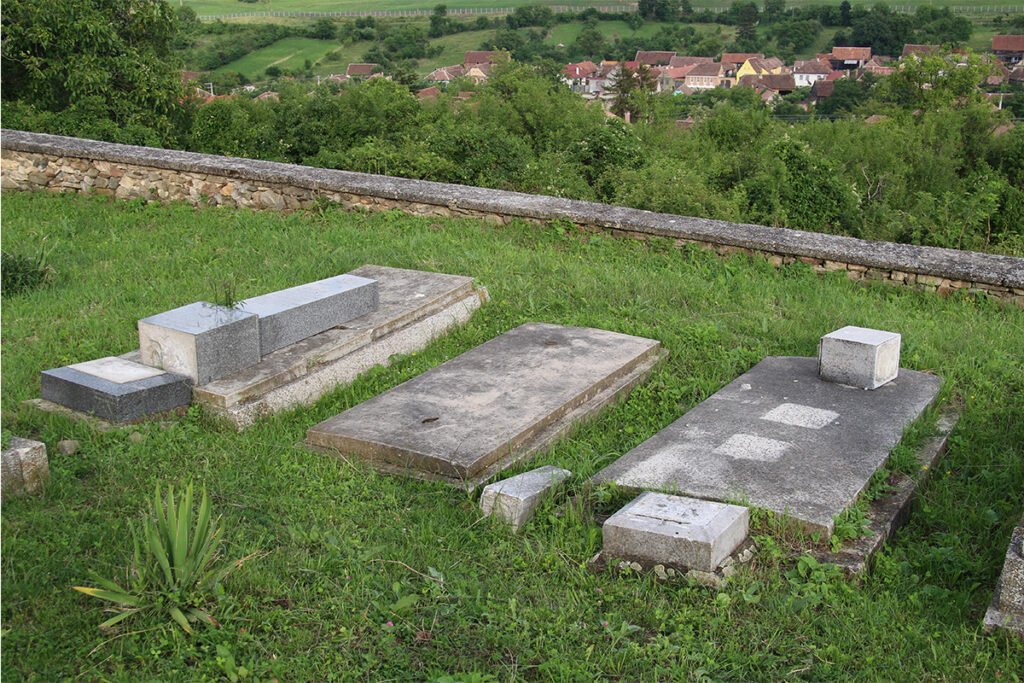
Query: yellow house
757	66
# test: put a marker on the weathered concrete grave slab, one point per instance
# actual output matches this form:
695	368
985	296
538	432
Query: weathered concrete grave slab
478	413
201	341
290	315
779	437
25	468
115	389
675	530
413	308
1007	608
515	499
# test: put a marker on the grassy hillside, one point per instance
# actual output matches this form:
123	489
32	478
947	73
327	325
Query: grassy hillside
288	53
356	576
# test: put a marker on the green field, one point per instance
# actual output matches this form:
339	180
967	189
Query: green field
357	576
221	7
287	53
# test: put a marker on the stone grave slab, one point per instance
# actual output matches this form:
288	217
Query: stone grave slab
291	315
516	499
115	389
1007	608
201	341
478	413
675	530
414	307
859	356
779	437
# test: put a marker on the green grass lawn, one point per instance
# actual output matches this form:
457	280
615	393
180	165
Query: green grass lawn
344	579
287	53
455	48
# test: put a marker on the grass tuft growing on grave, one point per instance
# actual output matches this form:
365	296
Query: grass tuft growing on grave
361	576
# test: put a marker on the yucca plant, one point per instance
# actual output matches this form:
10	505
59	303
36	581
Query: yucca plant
170	572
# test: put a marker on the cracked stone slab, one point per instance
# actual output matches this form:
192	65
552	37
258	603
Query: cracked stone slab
781	438
474	415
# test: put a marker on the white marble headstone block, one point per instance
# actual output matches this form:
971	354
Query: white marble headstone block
677	530
201	341
859	356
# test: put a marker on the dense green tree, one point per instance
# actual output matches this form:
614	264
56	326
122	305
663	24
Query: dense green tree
931	82
845	18
883	30
774	10
323	29
112	57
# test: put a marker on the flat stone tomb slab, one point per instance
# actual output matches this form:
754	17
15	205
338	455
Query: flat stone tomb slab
675	530
405	297
470	417
115	389
293	314
779	437
516	499
201	341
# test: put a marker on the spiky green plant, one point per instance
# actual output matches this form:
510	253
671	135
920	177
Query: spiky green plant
169	572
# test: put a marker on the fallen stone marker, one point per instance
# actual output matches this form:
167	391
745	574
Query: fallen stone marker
478	413
115	389
859	356
25	468
414	307
291	315
781	438
1007	608
685	533
515	499
201	341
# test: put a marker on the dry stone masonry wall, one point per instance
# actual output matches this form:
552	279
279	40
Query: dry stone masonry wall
34	161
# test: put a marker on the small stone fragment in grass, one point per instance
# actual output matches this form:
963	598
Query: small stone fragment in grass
68	446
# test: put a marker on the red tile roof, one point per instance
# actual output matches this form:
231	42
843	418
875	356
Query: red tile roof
483	57
681	60
654	57
812	66
360	69
1008	43
707	69
860	54
737	58
430	93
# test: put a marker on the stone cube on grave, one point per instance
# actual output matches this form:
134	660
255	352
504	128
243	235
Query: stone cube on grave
115	389
201	341
291	315
676	530
516	499
859	356
25	468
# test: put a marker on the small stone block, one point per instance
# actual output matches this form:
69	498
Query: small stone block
291	315
25	467
201	341
859	357
685	532
516	499
115	397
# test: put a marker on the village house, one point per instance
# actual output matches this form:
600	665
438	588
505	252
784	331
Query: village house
733	60
1008	49
581	77
708	75
757	66
683	60
849	58
806	73
918	50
